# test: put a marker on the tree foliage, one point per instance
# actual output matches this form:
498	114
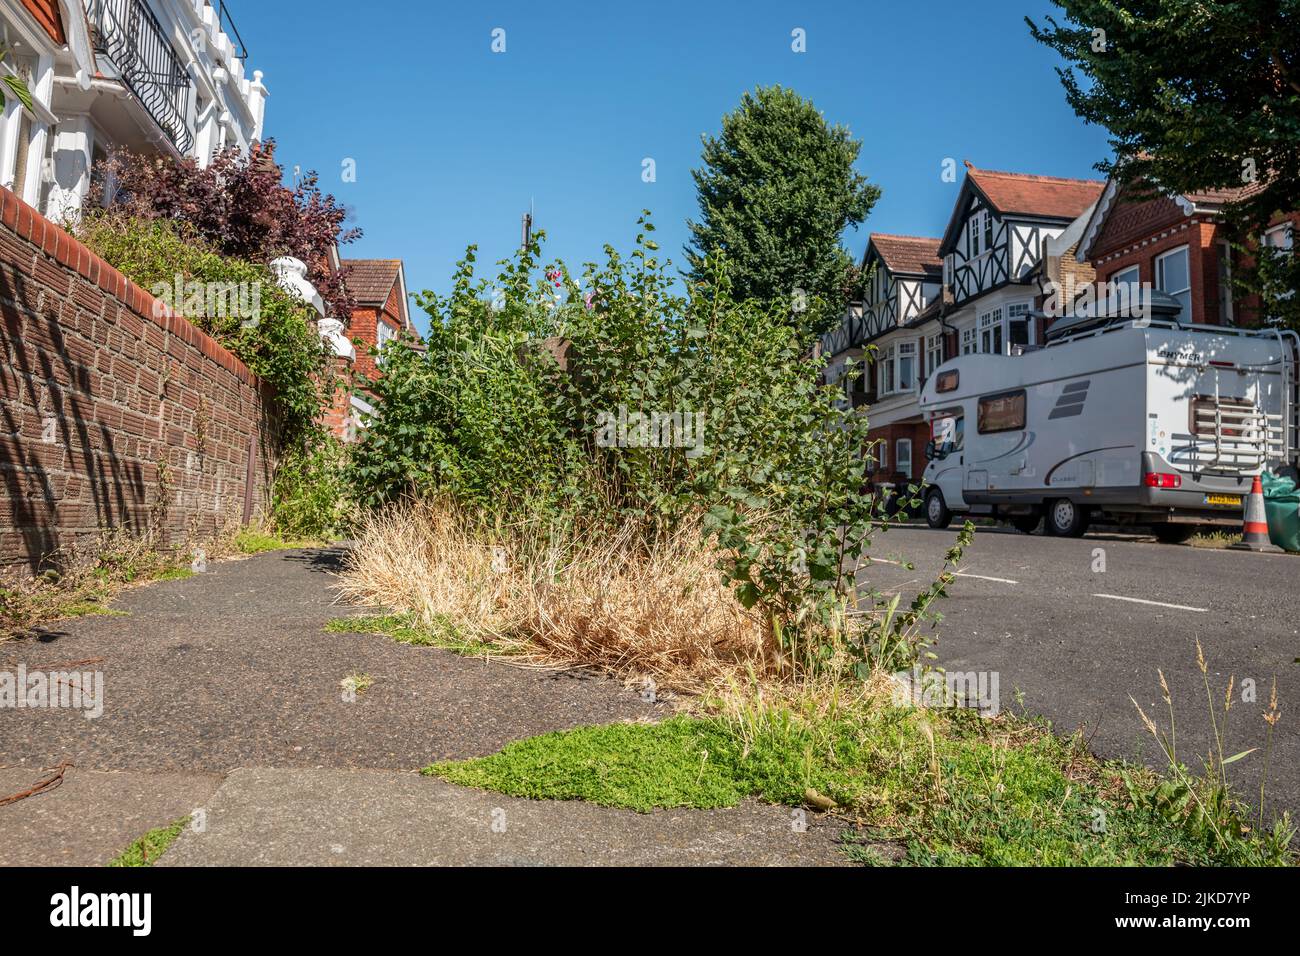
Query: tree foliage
776	191
1196	96
240	207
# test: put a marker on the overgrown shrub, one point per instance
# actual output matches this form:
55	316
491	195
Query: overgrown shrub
526	407
310	497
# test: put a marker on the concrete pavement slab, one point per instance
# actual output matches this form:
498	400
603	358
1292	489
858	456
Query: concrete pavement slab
286	817
92	816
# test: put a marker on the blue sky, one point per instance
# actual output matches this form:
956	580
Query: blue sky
452	142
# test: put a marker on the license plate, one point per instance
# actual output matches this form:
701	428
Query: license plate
1230	501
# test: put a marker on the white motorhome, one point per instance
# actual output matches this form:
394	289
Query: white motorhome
1146	421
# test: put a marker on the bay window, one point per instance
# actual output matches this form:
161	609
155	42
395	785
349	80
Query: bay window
897	368
991	333
933	353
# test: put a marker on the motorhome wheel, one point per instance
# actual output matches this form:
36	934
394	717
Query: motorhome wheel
937	514
1065	519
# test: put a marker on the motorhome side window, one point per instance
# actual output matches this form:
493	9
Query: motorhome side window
1003	412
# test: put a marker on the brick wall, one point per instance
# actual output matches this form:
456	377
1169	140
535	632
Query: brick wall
1136	233
1200	236
919	433
1069	274
364	327
114	413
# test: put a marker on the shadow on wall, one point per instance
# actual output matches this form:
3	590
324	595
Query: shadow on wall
58	461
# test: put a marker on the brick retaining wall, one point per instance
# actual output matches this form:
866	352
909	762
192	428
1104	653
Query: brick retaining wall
114	412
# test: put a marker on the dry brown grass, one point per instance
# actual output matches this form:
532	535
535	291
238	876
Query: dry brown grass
609	602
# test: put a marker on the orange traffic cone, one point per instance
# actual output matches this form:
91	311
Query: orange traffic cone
1254	529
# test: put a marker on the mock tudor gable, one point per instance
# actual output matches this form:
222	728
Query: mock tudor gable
1000	222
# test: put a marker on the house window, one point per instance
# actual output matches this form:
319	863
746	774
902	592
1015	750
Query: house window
947	270
967	341
988	230
991	332
1020	328
384	333
903	456
882	449
1123	291
898	368
906	366
1003	412
933	353
17	131
1125	277
1280	237
975	232
1174	278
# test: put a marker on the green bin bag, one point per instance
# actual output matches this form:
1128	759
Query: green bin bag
1282	505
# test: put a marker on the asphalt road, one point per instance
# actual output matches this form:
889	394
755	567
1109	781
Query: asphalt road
1073	627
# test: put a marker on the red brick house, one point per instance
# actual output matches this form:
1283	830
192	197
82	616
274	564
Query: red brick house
1179	245
380	315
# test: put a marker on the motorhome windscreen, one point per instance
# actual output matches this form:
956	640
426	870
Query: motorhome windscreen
947	431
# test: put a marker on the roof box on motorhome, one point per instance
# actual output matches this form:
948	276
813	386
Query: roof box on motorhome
1117	307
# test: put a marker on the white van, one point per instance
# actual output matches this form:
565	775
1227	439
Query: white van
1149	422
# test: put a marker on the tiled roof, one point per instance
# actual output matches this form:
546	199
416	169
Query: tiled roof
371	280
1219	197
909	255
1020	193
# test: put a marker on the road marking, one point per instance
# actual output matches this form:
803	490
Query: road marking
1176	607
985	577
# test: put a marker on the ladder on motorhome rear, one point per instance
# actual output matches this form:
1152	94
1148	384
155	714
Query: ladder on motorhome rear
1291	390
1235	435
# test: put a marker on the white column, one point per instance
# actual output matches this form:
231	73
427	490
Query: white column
74	144
41	93
10	127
